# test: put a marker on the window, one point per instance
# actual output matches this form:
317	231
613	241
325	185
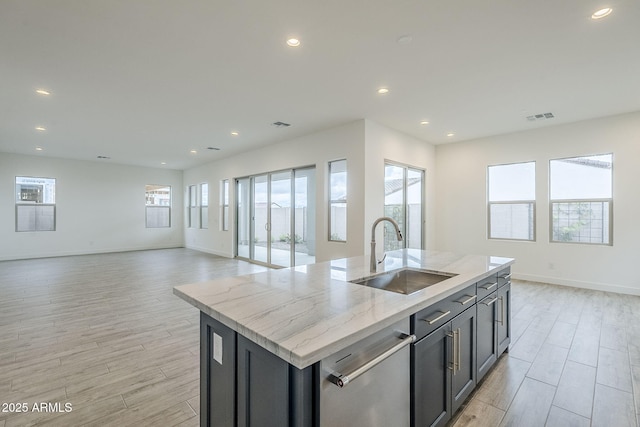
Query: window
204	205
224	203
581	200
35	204
193	211
158	206
338	201
511	201
403	201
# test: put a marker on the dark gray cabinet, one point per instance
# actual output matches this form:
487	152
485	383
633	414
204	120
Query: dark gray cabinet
494	321
487	337
431	379
443	370
244	385
503	320
463	374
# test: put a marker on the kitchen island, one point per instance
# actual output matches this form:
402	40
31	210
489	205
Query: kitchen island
291	320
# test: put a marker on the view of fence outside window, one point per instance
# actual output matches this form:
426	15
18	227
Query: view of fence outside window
224	202
35	204
403	201
158	206
338	201
204	205
581	199
511	201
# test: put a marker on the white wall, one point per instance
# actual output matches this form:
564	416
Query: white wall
383	143
462	210
317	149
99	208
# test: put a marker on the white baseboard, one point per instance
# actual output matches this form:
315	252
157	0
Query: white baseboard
605	287
88	252
210	251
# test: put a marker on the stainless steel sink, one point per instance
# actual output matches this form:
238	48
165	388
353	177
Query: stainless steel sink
405	281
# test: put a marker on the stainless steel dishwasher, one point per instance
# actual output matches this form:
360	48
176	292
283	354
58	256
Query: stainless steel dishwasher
367	384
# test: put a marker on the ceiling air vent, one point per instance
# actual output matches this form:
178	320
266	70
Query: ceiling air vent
213	148
280	124
104	157
538	117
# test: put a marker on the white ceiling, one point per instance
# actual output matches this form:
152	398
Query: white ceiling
146	81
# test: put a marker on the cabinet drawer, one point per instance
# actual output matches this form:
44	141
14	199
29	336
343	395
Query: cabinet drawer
504	277
429	319
487	285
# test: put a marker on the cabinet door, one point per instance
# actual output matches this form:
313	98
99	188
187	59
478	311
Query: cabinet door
504	318
263	387
487	339
464	356
431	379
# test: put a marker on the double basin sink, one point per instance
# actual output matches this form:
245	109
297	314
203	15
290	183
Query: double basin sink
404	281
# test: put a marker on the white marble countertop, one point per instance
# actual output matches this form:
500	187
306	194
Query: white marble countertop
304	314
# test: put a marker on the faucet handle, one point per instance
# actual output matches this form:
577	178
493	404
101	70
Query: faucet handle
380	261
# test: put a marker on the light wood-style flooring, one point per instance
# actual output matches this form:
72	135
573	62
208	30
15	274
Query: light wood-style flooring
106	334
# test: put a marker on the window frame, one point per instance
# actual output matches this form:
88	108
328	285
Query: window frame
203	206
553	202
332	201
36	205
192	206
532	203
225	205
406	168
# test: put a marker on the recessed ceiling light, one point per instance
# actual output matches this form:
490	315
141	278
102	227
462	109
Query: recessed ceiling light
293	42
405	39
39	148
599	14
43	92
424	122
193	151
234	133
41	128
383	90
450	134
163	163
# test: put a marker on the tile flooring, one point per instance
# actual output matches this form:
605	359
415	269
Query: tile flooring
105	334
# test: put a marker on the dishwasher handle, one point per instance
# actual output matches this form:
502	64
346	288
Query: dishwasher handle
341	380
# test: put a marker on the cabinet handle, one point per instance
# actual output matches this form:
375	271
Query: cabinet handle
468	300
488	287
501	321
488	303
456	352
442	315
505	277
459	351
341	380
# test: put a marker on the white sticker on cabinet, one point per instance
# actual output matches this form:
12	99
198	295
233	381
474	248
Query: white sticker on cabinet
217	348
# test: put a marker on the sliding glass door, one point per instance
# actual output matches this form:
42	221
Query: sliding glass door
280	218
243	218
403	201
276	217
